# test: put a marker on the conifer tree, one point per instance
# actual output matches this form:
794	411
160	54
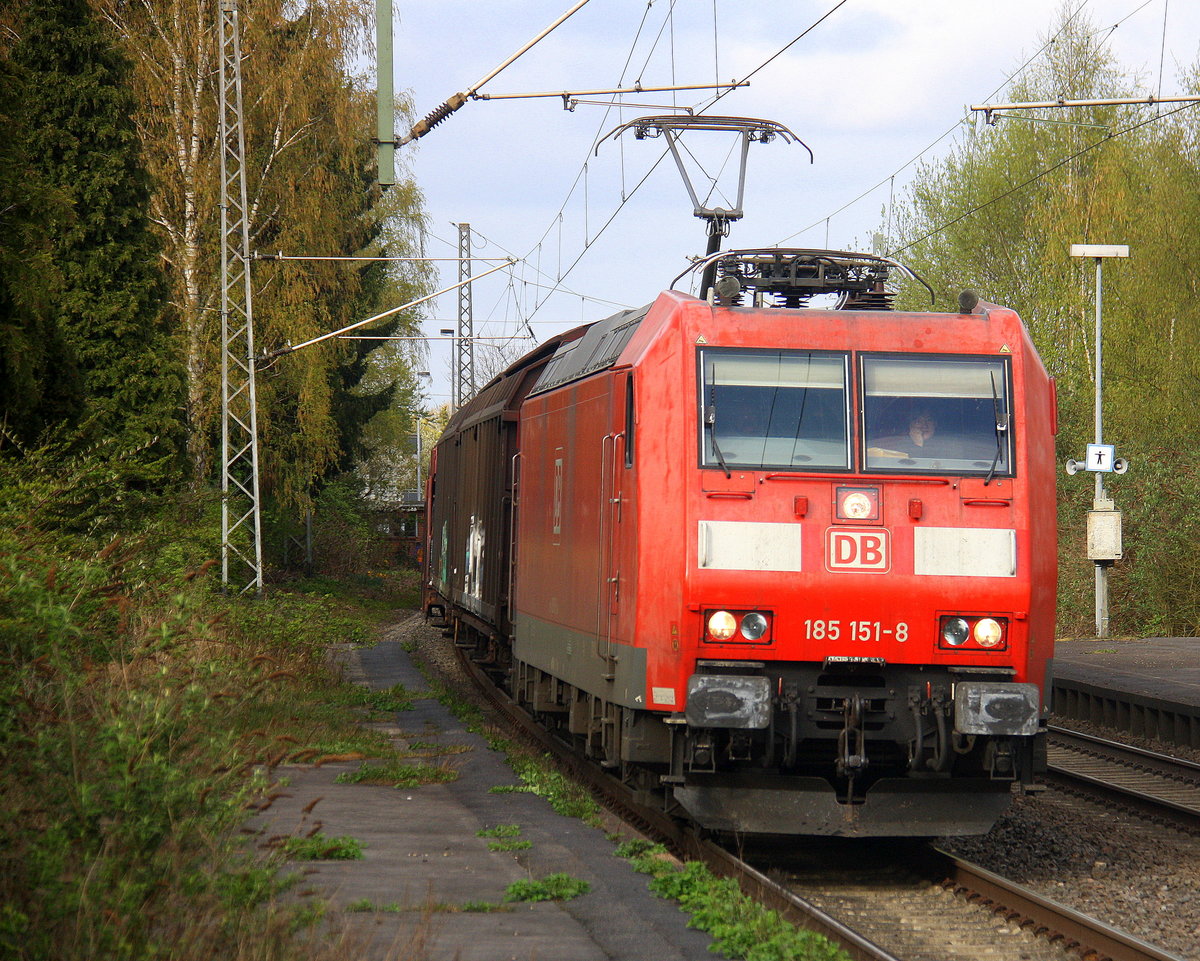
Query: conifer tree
39	381
110	307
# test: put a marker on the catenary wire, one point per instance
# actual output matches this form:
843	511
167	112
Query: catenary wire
1109	29
1038	176
625	199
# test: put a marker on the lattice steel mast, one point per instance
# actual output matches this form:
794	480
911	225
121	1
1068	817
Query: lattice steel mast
241	541
464	344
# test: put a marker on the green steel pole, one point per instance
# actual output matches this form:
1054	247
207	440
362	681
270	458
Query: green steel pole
385	137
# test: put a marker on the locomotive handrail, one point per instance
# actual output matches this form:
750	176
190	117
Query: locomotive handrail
604	580
862	479
602	564
614	515
512	534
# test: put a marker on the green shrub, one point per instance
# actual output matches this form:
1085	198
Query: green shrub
141	716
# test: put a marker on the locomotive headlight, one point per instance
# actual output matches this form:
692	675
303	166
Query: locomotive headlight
988	632
754	626
973	632
721	625
856	505
955	631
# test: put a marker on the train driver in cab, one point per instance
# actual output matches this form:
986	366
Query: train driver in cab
913	443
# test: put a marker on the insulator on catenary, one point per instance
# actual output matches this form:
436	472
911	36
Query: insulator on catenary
434	117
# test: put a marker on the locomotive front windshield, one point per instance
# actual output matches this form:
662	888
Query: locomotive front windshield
936	414
791	410
774	409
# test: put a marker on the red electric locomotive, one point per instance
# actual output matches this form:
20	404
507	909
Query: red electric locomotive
793	566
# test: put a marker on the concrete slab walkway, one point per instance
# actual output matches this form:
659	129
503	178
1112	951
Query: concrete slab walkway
423	859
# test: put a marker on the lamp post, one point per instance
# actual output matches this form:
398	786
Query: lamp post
420	487
1104	521
455	388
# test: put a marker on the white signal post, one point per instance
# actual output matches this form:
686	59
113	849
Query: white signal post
1104	521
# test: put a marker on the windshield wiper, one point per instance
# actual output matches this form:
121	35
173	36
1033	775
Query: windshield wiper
710	421
1001	423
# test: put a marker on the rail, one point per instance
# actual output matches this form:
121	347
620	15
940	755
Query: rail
1089	937
1154	784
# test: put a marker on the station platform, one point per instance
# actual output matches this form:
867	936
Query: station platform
428	886
1148	686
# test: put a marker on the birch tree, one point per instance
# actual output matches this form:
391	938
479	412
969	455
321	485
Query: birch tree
308	122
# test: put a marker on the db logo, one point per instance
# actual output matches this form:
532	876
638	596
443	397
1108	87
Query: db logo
857	550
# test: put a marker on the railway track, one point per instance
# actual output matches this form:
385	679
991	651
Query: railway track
925	904
941	901
1158	786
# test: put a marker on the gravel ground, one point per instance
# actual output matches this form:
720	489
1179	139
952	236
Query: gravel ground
1117	868
427	642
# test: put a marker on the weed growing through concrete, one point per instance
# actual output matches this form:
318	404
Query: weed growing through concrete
507	838
387	701
366	905
395	773
553	887
469	713
566	796
740	926
536	771
322	848
510	844
426	749
476	907
500	831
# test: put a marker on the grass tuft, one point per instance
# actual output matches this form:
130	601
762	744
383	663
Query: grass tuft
509	844
536	772
388	700
367	906
500	831
395	773
319	847
474	907
553	887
